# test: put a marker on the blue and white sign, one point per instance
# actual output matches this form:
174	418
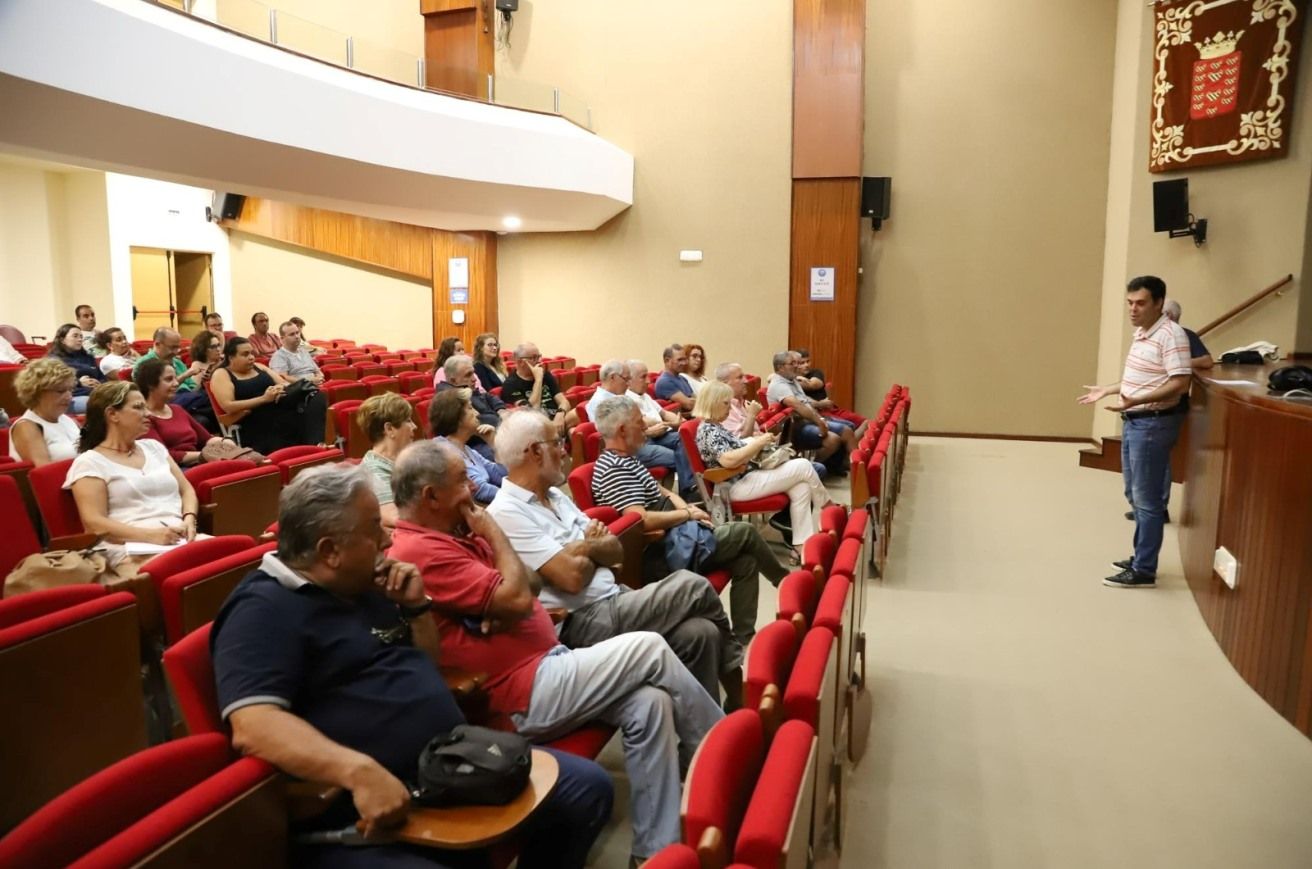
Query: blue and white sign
822	284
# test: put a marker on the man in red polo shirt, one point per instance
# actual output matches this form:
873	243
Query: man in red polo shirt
489	619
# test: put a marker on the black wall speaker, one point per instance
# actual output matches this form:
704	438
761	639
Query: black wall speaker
1170	205
507	5
227	206
874	197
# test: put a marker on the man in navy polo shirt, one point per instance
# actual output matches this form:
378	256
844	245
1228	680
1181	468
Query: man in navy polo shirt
325	660
671	385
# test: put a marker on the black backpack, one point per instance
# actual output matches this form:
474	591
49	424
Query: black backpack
472	766
1290	377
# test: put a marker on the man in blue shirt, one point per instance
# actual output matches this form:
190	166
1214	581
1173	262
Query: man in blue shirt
671	385
325	661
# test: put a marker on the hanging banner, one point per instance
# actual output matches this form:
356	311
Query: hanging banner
1223	81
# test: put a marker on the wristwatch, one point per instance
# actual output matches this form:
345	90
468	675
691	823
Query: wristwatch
414	612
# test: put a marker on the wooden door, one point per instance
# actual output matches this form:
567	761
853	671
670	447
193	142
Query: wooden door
194	291
152	291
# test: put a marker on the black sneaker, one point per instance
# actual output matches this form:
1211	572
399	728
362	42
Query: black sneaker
1124	565
1129	515
1130	578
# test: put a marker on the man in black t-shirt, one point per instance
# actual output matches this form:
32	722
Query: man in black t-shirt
812	381
532	385
325	663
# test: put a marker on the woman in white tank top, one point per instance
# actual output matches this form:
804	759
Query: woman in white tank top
44	433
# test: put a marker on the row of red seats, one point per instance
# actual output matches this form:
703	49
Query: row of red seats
766	786
878	462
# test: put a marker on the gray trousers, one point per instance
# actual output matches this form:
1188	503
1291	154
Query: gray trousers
683	608
633	682
741	549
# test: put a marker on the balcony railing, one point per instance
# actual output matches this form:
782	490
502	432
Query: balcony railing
267	23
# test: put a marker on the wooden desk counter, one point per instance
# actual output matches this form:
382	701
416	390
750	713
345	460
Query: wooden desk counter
1249	489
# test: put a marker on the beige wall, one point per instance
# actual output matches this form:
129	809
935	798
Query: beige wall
54	251
1258	230
700	94
336	298
982	291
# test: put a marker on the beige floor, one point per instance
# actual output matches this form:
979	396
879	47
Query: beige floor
1026	716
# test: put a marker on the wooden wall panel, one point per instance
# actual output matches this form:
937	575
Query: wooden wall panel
399	247
1250	490
825	224
481	309
459	50
828	87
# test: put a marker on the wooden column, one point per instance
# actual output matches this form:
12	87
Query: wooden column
828	118
458	45
480	307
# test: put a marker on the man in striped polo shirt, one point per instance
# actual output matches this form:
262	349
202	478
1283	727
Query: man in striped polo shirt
1157	372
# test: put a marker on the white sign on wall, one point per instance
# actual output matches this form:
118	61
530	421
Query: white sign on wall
822	284
457	273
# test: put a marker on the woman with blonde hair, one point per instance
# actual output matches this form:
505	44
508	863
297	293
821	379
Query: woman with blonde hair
388	421
488	364
44	433
721	449
128	490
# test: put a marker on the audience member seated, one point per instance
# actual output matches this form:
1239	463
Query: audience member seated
269	421
619	480
743	411
453	419
459	371
388	421
490	619
532	385
812	381
9	354
67	348
574	557
214	323
695	373
720	449
309	348
488	364
292	360
44	433
207	348
169	424
126	487
325	664
811	431
168	344
116	351
448	348
671	385
86	321
663	448
265	342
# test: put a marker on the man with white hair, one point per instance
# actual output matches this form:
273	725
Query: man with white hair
620	481
491	620
459	371
574	558
663	449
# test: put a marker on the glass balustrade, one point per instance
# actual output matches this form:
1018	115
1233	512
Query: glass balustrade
266	22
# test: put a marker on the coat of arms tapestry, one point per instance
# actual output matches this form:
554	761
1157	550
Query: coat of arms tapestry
1223	80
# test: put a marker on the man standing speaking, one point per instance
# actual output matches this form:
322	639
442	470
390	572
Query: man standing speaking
1157	373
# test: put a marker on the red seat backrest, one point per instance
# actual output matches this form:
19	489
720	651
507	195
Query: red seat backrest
818	554
688	436
768	821
722	777
798	594
194	554
413	380
769	661
19	539
806	682
58	509
191	673
580	485
37	604
171	589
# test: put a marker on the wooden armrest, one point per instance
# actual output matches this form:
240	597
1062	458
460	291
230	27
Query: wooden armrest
462	682
771	710
73	541
558	614
462	828
712	851
309	799
653	536
719	475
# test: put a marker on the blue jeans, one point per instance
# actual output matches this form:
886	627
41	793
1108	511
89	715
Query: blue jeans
557	836
1146	445
667	451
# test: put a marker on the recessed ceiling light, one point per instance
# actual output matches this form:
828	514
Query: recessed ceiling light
511	222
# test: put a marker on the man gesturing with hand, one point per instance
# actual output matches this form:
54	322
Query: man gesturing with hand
325	662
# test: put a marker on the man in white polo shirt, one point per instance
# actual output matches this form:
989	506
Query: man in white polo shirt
1157	372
